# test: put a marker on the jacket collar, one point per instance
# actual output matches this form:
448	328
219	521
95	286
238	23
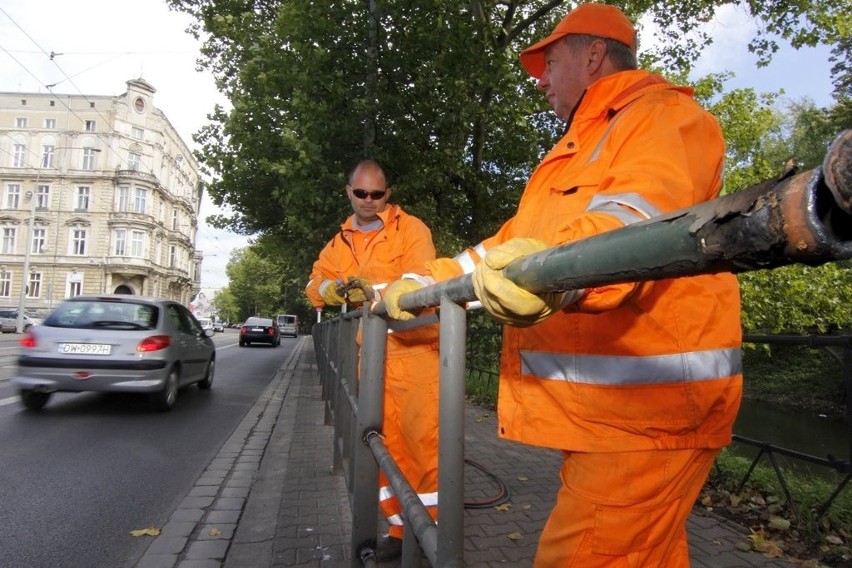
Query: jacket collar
610	94
388	216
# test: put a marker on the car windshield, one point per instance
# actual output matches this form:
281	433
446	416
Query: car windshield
100	314
259	321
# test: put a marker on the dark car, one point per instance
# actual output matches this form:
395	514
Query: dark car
115	343
260	330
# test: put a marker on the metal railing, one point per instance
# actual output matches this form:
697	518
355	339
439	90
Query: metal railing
769	450
804	218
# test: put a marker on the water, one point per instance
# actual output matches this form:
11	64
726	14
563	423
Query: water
803	432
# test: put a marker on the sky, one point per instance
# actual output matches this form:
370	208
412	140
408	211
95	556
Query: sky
98	45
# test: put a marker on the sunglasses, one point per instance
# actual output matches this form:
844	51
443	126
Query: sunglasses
363	193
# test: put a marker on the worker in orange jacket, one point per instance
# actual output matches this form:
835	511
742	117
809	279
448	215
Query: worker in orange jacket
378	244
638	384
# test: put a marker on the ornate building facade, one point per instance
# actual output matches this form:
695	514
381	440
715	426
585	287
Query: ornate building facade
99	195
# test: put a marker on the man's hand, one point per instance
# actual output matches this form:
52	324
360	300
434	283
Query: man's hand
328	291
391	298
359	289
505	301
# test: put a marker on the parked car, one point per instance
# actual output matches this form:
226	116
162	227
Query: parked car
8	324
218	326
115	343
9	318
288	324
206	323
260	330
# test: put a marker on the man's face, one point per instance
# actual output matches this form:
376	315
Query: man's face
565	77
363	192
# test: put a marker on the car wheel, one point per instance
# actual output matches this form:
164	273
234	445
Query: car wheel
166	398
207	381
34	400
242	343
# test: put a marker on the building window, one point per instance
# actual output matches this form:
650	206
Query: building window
137	244
141	199
34	285
39	243
120	248
18	153
42	196
172	256
88	158
139	104
137	133
90	126
78	242
21	122
175	219
82	198
133	161
47	156
13	196
8	245
5	284
75	285
123	198
50	123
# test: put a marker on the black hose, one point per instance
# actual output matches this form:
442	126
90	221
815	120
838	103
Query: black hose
501	497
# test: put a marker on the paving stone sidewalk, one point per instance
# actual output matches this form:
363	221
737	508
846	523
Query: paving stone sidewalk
278	503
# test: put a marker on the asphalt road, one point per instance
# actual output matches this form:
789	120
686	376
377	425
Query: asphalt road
79	476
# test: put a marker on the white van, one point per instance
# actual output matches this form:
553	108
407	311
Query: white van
206	323
288	324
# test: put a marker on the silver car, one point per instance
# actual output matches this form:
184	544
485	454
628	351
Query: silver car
115	343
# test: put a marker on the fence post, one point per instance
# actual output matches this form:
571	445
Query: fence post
371	382
451	435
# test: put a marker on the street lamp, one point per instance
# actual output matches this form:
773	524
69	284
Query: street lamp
19	325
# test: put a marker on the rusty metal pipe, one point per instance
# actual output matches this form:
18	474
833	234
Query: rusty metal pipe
804	218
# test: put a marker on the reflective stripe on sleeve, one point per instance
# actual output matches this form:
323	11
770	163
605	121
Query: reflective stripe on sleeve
615	205
466	261
627	370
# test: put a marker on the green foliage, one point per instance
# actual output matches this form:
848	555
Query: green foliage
253	286
430	88
798	299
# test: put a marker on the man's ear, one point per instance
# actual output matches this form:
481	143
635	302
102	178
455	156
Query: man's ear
596	55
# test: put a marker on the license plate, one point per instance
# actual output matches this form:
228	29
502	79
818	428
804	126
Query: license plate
84	348
257	329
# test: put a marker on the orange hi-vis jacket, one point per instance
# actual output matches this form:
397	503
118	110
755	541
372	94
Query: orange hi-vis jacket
632	366
402	246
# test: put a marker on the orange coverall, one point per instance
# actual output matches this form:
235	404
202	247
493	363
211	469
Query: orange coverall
401	246
629	369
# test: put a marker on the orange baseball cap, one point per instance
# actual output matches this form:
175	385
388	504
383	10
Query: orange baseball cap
600	20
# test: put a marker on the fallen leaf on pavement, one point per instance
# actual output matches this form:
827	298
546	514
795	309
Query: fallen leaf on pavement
150	531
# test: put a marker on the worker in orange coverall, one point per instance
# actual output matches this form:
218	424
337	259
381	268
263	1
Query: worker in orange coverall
638	384
378	244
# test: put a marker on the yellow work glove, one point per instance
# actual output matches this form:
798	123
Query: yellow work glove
505	301
328	291
359	290
391	298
